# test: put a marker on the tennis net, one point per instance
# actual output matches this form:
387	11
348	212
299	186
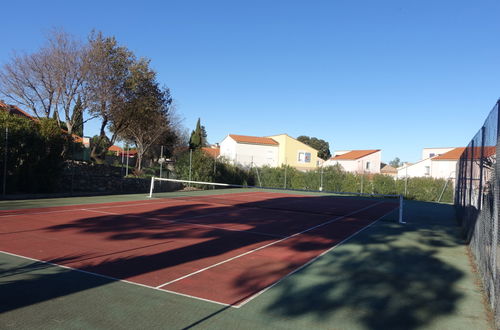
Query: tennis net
295	200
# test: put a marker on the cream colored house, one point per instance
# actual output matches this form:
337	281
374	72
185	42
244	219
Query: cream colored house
357	161
295	153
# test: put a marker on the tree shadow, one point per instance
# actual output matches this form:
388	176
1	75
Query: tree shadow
388	285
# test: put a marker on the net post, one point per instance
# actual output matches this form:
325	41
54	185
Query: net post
152	186
401	210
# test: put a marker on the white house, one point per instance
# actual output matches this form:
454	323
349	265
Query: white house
357	161
249	151
439	166
432	152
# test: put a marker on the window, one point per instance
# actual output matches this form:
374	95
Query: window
432	155
304	157
427	170
367	165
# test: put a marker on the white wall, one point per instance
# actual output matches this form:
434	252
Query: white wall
427	152
359	165
415	170
438	169
245	153
443	169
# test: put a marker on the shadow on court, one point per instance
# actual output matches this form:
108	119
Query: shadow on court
390	276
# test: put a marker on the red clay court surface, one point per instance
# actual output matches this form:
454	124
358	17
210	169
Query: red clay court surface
204	247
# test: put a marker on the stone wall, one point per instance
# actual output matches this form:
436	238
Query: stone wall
79	177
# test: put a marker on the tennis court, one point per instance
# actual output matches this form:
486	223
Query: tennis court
197	245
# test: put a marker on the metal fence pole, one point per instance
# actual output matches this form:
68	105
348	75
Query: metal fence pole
161	161
128	156
285	174
481	164
190	163
321	179
5	160
471	171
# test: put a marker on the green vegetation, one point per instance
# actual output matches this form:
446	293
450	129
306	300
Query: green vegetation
333	178
198	137
34	153
322	146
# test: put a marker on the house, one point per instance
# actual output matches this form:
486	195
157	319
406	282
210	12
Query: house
212	152
387	169
432	152
439	163
250	151
13	110
295	153
357	161
116	150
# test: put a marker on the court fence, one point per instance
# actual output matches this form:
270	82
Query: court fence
476	199
201	167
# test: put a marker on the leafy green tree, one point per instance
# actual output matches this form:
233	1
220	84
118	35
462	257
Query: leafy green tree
148	106
34	153
108	69
322	146
396	162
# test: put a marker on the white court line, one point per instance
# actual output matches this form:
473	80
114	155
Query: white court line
80	209
113	278
267	245
309	262
204	299
180	220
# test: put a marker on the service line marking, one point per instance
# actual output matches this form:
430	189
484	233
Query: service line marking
267	245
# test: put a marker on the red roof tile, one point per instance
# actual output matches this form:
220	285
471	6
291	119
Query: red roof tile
453	154
253	139
212	152
115	149
355	154
12	109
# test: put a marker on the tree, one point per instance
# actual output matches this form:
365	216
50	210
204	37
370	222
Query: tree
322	146
108	66
147	106
77	117
47	81
395	162
198	137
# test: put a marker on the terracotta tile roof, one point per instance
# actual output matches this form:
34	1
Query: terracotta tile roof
116	149
253	139
456	153
453	154
12	109
388	169
212	152
355	154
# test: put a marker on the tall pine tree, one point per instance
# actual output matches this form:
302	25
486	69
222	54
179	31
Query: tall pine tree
78	117
198	137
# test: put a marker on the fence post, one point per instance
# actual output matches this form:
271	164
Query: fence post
471	171
481	164
190	163
128	156
285	174
5	159
321	179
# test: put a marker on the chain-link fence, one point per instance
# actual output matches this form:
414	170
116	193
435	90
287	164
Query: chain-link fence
476	197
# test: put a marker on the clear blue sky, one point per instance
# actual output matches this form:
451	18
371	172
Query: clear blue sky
397	75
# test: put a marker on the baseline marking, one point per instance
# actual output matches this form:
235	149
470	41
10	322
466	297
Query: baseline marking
113	278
